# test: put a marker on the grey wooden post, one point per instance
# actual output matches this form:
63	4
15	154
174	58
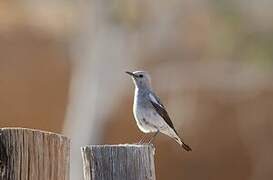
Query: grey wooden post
118	162
33	155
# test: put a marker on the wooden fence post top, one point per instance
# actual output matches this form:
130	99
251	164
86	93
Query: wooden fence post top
119	162
150	146
33	131
29	154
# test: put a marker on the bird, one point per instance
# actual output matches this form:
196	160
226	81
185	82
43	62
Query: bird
150	114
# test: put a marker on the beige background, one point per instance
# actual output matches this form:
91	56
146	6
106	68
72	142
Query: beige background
62	69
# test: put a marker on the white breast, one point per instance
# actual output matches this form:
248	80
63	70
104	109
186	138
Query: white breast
145	118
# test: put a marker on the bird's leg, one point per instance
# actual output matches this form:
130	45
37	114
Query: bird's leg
153	137
142	140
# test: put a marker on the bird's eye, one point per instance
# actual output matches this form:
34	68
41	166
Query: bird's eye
141	76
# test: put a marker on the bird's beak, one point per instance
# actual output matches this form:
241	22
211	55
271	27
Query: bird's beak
131	74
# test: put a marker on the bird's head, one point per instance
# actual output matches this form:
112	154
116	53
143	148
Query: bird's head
141	79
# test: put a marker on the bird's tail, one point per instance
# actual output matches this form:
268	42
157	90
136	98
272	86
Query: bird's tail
184	145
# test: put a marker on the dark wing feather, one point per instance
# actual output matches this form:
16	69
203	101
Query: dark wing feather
160	109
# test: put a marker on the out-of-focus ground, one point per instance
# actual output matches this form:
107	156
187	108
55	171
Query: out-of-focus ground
62	69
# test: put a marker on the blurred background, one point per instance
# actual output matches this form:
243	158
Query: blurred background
62	69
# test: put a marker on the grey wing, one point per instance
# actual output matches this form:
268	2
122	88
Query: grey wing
160	109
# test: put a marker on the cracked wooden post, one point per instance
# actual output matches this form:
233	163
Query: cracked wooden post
118	162
33	155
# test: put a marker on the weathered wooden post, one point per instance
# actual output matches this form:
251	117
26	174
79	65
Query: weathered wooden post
118	162
33	155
